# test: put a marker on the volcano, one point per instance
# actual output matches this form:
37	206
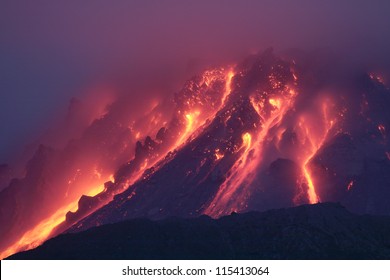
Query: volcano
271	131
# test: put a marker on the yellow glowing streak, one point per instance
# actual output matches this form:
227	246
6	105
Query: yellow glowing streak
218	154
256	105
42	231
228	86
190	120
190	127
247	139
144	165
311	192
229	186
39	233
275	102
243	170
95	191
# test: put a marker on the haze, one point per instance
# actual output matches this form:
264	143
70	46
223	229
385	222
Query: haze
51	51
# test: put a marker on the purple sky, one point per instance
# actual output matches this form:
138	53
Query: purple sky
49	50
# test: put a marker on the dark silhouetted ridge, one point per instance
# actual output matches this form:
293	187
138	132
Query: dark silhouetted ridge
319	231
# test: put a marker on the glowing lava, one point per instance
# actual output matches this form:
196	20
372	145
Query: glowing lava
246	142
218	154
191	122
196	117
243	172
228	85
314	135
267	119
311	192
228	187
275	102
41	232
192	113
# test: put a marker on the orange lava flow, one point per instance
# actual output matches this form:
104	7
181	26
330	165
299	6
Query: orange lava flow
41	232
37	235
226	190
192	123
311	192
244	170
193	120
218	154
315	135
275	102
228	86
196	118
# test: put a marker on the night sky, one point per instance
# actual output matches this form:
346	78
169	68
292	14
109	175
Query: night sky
51	51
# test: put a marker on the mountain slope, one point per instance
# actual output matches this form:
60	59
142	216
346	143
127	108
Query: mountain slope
286	134
271	131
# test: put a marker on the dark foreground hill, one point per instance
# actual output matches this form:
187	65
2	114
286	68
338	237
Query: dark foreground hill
320	231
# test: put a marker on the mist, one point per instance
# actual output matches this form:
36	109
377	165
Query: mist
51	51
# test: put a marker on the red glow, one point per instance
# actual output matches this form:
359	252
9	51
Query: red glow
313	136
192	115
218	154
350	185
41	232
268	119
233	181
192	123
244	171
276	102
311	192
228	85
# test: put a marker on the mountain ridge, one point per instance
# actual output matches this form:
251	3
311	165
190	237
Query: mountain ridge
317	231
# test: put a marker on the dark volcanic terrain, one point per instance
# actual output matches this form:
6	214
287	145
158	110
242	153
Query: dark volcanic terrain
319	231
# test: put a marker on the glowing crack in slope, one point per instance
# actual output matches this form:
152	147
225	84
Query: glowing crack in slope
235	190
314	143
